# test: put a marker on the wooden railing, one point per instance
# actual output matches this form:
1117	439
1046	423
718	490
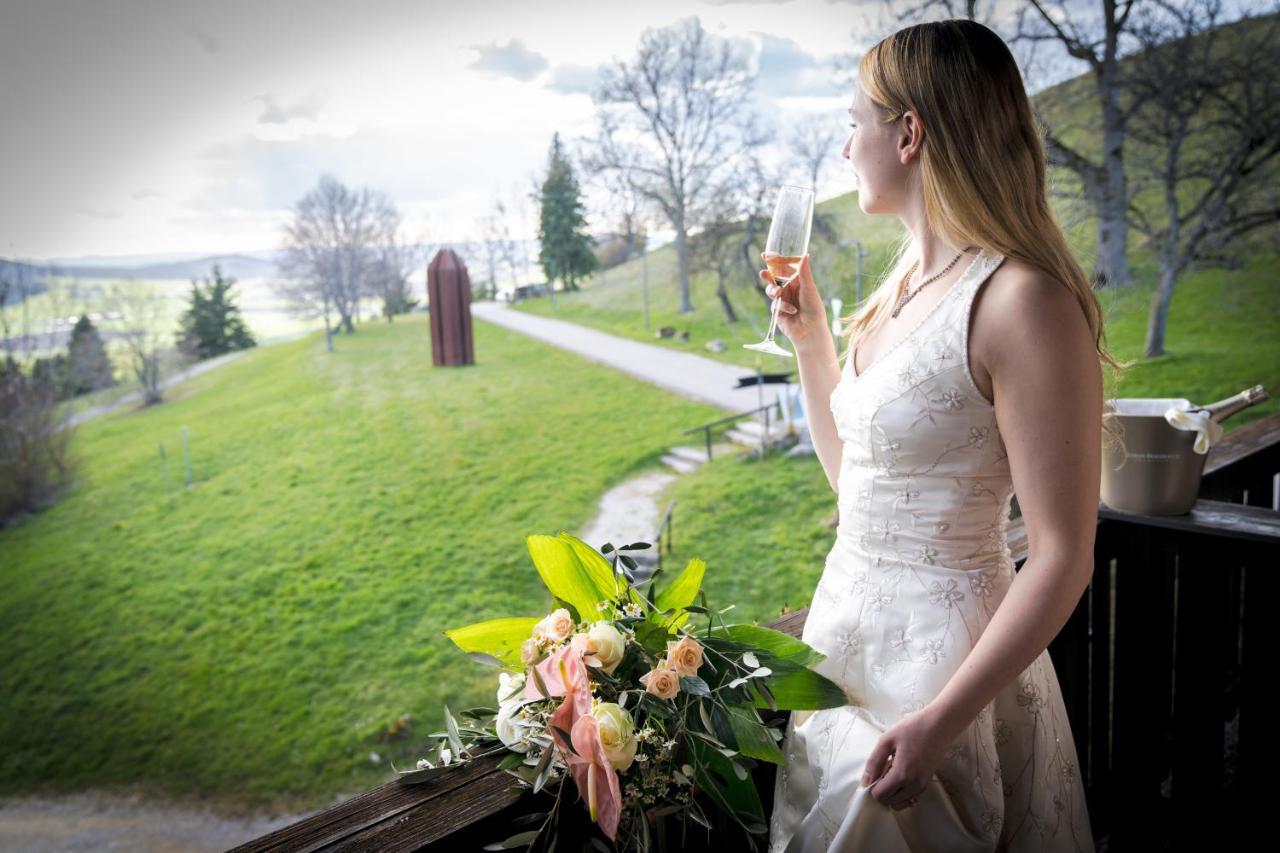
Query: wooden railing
1170	724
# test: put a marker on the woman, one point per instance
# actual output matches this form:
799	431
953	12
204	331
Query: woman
953	395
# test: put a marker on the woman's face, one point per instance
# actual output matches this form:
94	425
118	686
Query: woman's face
872	150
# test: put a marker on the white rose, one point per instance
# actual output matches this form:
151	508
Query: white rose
606	645
510	686
510	700
510	731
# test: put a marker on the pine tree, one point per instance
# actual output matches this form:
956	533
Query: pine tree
212	325
565	253
88	366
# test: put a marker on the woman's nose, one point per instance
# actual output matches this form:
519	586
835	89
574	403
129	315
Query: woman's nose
844	152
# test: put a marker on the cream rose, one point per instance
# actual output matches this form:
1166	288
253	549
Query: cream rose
617	734
555	626
529	651
662	682
606	644
685	656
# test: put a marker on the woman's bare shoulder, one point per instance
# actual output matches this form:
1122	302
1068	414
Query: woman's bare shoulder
1020	301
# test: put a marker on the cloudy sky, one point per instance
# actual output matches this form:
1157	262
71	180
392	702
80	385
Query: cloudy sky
173	126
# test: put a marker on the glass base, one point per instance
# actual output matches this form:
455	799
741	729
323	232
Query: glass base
769	347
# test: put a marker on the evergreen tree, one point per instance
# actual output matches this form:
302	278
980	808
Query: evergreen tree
212	325
88	366
566	249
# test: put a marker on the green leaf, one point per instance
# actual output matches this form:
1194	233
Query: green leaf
567	576
753	736
715	775
501	638
774	643
798	688
682	591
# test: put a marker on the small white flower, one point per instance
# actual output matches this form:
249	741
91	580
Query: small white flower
374	758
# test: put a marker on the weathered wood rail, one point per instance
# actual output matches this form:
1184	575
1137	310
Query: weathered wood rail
1163	667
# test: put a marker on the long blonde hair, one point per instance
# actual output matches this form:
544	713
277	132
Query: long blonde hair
982	162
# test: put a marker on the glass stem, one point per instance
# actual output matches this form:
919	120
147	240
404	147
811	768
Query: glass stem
773	318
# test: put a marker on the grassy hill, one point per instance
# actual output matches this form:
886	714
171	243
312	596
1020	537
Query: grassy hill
254	639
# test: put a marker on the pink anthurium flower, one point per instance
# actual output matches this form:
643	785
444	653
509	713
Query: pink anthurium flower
596	779
549	669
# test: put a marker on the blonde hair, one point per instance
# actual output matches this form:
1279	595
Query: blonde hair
982	162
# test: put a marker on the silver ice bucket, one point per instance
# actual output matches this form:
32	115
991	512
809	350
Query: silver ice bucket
1154	469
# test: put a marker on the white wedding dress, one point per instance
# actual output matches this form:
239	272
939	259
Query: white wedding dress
919	565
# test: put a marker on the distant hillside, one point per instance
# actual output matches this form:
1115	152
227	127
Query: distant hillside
235	266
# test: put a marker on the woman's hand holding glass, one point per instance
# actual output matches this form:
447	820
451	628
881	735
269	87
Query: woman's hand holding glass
802	316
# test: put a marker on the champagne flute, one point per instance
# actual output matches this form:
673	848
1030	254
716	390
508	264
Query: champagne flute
785	250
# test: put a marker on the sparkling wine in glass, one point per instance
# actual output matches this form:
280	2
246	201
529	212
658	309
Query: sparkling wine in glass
784	252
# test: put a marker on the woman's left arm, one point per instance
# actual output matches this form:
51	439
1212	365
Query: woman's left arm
1047	384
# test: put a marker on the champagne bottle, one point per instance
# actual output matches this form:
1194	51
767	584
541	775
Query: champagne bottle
1223	409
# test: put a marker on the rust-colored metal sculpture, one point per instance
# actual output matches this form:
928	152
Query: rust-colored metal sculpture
449	301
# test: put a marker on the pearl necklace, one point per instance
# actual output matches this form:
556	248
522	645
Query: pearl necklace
904	298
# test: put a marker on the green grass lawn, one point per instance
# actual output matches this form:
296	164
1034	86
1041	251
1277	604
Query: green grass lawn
252	641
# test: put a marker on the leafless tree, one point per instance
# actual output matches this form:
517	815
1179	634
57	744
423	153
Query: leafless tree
1096	38
619	200
393	262
329	252
140	318
1208	126
674	118
815	146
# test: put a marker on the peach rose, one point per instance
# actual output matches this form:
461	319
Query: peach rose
555	626
662	682
685	656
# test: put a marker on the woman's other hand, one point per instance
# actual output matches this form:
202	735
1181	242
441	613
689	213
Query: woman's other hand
802	316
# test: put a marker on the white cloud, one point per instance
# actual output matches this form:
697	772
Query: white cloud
512	59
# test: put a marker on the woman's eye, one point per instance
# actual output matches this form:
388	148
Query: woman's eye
851	124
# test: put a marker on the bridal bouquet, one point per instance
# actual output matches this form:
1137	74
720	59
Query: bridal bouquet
619	689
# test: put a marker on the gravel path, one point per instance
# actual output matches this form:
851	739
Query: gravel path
90	821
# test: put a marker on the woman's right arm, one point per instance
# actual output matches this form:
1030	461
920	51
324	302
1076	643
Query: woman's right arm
806	328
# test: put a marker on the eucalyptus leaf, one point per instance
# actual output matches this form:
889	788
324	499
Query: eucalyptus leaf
522	839
694	686
543	770
568	741
454	739
486	659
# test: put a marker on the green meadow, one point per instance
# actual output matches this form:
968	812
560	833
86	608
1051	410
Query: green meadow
255	636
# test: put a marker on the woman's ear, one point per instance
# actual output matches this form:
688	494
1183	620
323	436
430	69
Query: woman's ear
911	138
